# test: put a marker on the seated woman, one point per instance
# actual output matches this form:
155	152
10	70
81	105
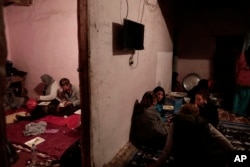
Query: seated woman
69	96
50	88
64	102
207	84
207	109
49	93
161	97
148	129
194	142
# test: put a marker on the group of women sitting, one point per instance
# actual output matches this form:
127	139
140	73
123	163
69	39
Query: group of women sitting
191	136
62	99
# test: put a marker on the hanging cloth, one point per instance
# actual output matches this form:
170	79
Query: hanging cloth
243	64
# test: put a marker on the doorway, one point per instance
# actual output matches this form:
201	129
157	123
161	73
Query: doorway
228	49
83	70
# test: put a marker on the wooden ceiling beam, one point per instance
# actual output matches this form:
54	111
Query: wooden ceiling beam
18	2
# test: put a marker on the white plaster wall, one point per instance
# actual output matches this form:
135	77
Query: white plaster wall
199	66
114	84
164	61
42	38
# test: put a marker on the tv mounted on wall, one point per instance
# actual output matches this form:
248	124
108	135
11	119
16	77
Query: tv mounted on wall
133	35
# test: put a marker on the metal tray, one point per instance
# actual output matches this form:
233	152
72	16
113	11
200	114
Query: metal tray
177	94
190	81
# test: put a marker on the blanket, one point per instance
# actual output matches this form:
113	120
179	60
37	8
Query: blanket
71	121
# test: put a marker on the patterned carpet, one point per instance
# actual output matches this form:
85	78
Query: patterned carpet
226	116
236	129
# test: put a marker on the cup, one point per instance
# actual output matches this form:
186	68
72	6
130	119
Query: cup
186	100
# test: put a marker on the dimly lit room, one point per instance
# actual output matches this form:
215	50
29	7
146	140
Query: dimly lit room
136	70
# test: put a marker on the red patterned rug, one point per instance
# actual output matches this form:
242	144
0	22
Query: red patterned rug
55	142
66	132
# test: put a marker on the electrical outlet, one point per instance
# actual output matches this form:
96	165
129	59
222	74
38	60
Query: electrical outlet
131	62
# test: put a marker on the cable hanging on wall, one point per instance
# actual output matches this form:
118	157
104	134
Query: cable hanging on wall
151	7
131	60
126	16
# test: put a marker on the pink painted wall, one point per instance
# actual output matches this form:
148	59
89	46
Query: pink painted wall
42	38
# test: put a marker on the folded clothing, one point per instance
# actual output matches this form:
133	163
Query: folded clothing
33	128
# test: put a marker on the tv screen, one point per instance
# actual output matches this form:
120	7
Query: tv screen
133	35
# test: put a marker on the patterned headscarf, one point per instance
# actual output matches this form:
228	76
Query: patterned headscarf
47	81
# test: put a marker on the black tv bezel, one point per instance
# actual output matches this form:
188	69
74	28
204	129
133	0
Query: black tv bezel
133	35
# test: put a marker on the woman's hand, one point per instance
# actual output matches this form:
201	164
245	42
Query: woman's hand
67	103
61	105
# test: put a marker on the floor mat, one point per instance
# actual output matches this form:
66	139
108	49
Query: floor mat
226	116
235	125
72	121
57	138
146	156
238	134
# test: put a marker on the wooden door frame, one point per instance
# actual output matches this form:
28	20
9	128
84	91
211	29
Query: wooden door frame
83	69
83	40
3	56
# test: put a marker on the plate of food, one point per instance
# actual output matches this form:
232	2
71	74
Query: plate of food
168	107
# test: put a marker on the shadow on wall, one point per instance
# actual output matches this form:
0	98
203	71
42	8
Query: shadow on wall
136	112
39	88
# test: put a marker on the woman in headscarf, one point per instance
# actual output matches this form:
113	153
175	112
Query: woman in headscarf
148	129
202	84
50	88
160	94
49	94
207	109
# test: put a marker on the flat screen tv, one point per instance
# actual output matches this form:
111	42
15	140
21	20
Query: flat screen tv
133	35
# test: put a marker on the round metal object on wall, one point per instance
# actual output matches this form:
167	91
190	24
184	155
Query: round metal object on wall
190	81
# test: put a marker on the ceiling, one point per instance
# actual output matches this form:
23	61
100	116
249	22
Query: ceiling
211	13
212	4
194	25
